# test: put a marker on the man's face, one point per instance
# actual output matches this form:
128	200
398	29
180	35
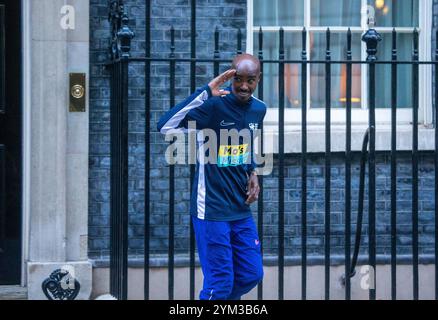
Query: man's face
245	80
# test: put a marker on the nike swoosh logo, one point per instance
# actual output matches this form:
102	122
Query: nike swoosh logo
226	124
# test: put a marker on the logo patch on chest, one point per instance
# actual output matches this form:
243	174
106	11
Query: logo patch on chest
253	126
232	155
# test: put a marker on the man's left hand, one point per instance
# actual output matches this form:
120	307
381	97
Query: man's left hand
253	188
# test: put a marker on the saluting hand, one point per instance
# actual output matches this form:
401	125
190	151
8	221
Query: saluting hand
220	80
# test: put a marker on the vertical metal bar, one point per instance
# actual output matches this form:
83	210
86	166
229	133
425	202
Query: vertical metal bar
119	177
192	166
371	38
304	166
147	143
260	201
394	167
216	52
327	164
281	169
124	178
436	169
114	165
348	172
171	251
118	180
121	171
415	69
239	41
113	194
111	69
372	178
112	181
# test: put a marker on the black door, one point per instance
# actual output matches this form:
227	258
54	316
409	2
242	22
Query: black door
10	142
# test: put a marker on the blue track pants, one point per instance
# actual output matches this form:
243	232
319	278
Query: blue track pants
230	257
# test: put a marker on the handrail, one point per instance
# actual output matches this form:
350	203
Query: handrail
363	160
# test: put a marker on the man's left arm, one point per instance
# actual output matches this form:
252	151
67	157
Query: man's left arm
253	188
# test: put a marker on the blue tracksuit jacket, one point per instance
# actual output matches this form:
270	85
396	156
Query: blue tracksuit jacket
219	190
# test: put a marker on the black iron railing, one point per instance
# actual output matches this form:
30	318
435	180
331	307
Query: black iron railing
120	59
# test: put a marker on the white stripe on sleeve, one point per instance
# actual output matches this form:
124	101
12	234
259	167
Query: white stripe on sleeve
173	122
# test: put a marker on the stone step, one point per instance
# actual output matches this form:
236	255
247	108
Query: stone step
13	293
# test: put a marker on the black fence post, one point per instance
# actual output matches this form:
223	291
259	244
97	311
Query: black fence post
281	169
119	160
113	130
113	20
327	220
147	146
415	103
394	167
192	166
371	38
125	35
348	171
239	41
304	164
260	209
171	251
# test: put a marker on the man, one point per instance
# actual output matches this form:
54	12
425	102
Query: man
226	235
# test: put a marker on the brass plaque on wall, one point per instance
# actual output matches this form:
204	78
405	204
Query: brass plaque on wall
77	92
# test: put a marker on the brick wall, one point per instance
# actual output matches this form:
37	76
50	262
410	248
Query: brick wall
227	15
316	209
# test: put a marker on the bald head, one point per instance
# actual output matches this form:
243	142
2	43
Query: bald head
247	76
246	63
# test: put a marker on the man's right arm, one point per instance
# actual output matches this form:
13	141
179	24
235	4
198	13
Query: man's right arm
194	108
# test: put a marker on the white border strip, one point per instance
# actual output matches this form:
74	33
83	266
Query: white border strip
200	200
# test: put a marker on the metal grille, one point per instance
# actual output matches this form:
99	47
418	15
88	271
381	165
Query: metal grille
118	65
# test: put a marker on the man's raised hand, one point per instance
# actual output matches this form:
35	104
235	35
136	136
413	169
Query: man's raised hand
217	82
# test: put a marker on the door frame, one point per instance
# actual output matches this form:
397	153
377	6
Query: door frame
24	137
26	76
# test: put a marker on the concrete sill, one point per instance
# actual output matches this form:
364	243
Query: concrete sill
316	138
181	261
